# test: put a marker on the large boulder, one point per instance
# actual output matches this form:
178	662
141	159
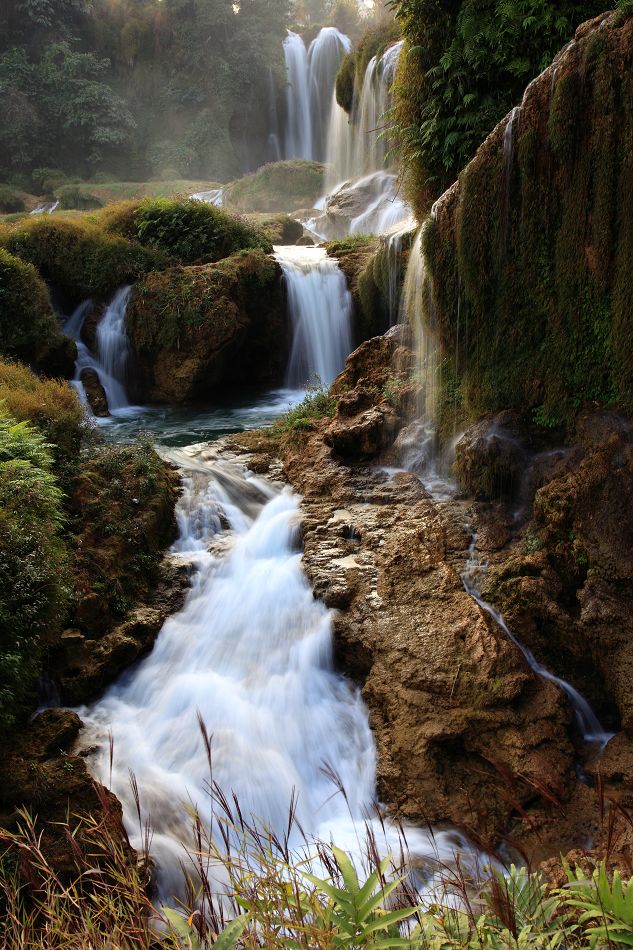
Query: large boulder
491	457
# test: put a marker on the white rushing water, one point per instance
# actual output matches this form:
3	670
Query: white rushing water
112	352
320	309
251	653
310	77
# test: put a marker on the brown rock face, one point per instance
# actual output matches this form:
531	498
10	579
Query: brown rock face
491	457
95	393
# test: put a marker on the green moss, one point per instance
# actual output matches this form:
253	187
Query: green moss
188	231
530	259
28	327
345	82
349	79
78	257
278	228
279	186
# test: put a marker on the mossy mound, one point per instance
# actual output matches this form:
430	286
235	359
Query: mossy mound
278	228
184	230
74	197
28	327
11	201
196	328
279	186
530	255
77	257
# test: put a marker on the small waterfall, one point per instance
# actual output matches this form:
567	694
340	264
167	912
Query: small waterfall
110	360
320	307
215	196
298	139
324	58
251	654
588	724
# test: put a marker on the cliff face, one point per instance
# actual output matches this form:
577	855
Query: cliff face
530	253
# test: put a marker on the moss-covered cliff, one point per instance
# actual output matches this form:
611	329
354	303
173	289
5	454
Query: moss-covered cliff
530	254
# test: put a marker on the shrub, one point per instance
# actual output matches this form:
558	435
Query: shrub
33	588
52	406
316	404
10	200
47	180
28	327
74	197
187	230
78	257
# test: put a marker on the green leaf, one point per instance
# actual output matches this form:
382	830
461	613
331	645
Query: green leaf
227	940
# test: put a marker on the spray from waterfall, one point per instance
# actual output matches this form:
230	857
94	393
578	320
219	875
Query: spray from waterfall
320	308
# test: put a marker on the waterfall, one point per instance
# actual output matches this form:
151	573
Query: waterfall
320	307
298	138
215	196
310	85
362	191
110	360
250	652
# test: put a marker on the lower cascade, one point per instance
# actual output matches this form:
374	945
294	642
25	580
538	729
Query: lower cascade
250	654
320	308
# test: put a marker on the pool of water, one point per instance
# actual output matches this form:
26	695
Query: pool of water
174	426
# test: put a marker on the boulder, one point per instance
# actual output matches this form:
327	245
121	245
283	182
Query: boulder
95	393
491	457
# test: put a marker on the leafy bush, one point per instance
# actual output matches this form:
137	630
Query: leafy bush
47	180
33	588
187	230
10	200
28	327
78	257
74	197
279	186
52	406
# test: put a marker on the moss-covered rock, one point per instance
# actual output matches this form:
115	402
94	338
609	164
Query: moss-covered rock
28	326
349	79
194	329
77	257
278	228
279	186
530	255
187	231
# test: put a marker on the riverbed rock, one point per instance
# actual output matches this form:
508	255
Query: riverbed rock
95	393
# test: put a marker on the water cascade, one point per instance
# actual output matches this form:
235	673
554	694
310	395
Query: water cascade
110	359
320	307
362	192
311	75
588	724
251	653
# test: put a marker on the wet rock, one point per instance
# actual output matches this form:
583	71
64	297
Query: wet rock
365	434
305	241
491	456
95	393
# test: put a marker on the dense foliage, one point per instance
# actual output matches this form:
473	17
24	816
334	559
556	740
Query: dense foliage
33	579
143	85
465	65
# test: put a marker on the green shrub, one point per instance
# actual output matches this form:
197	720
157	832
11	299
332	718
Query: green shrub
79	258
187	230
74	197
279	186
28	326
47	180
51	405
10	200
316	404
33	571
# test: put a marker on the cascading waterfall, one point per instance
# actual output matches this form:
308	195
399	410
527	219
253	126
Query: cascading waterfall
110	360
320	307
251	653
298	139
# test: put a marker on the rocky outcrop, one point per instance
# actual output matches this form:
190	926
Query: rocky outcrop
95	393
532	250
491	457
196	329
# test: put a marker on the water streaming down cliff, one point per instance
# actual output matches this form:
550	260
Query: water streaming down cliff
362	192
310	75
112	351
320	309
251	652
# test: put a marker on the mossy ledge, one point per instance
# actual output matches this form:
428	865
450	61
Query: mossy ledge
530	254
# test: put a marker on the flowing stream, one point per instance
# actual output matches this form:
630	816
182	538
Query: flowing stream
251	654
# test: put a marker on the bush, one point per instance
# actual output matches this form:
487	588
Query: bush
52	406
279	186
28	326
79	258
187	230
10	200
33	572
47	180
73	197
315	405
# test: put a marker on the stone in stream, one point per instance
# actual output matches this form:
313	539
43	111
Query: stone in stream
95	393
